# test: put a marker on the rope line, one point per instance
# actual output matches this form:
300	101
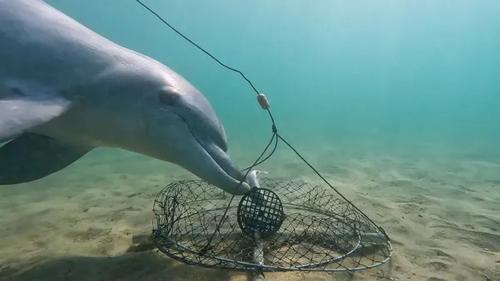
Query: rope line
198	46
255	163
328	183
275	136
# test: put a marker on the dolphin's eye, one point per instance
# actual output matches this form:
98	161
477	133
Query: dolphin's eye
169	96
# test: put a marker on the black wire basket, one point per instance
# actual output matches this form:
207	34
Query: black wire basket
285	226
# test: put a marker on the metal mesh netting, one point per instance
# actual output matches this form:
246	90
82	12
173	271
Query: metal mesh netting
284	226
309	228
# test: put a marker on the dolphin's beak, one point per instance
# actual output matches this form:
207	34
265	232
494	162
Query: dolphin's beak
196	138
224	161
216	167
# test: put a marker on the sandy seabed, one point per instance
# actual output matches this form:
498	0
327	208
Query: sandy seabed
92	220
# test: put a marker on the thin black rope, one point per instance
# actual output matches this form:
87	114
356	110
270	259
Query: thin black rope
324	179
208	54
276	139
198	46
255	163
274	129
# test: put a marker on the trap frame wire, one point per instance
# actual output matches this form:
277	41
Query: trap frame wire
319	232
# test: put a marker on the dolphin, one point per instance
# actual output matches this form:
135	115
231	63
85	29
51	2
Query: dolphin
65	90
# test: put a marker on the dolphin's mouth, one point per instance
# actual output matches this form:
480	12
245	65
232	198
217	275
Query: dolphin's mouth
221	158
226	166
213	164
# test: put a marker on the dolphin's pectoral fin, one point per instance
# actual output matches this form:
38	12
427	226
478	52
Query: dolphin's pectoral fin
24	107
30	157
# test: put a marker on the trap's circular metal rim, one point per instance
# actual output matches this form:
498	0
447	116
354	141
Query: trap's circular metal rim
175	249
250	265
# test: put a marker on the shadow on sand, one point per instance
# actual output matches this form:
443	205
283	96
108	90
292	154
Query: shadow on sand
149	265
142	266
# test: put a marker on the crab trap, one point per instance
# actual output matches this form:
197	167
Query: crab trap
280	225
283	226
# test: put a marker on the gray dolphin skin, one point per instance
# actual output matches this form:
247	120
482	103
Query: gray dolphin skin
64	90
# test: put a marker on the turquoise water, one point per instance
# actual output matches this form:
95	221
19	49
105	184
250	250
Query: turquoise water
365	74
396	102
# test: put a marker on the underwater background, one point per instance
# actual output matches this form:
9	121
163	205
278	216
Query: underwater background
397	102
402	74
